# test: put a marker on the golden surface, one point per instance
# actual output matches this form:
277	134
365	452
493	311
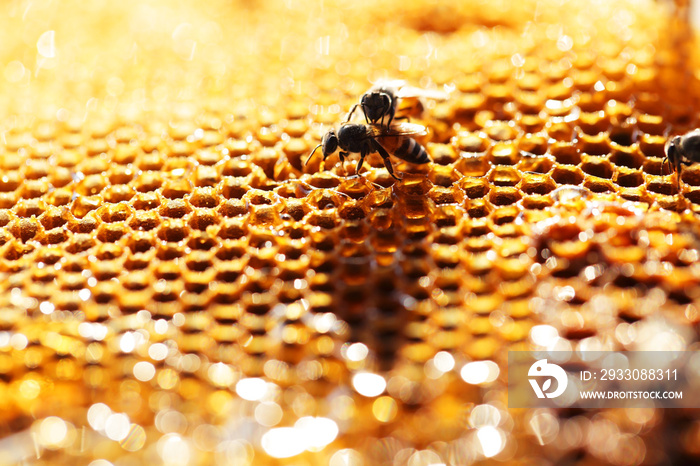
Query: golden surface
177	288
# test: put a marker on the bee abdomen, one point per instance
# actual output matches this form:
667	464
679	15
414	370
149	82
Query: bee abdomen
411	151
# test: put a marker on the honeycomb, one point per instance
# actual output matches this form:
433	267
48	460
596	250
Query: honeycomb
179	288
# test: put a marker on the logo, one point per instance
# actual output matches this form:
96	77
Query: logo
542	369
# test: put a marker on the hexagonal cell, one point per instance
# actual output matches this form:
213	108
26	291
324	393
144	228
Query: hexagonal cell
352	211
473	165
592	101
568	175
442	154
474	188
693	195
31	208
529	82
628	178
617	110
354	188
652	146
534	144
537	202
652	124
565	153
624	135
504	215
529	102
443	176
537	184
35	169
496	93
504	154
501	131
649	103
629	157
598	144
636	194
691	175
597	166
531	123
501	196
559	91
468	104
448	215
560	130
599	185
655	166
477	208
504	176
176	188
321	199
449	195
471	143
558	107
662	184
535	164
10	181
324	180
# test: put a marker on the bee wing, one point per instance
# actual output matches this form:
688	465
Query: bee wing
399	129
388	83
410	91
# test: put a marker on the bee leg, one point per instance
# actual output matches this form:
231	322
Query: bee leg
363	154
385	155
360	162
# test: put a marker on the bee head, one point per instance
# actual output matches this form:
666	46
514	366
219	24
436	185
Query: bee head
375	105
328	145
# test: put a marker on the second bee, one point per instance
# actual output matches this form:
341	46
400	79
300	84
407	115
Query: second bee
367	139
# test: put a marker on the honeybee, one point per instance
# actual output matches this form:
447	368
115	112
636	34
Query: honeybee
366	139
382	100
682	150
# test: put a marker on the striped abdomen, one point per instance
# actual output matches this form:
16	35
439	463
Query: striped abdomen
411	151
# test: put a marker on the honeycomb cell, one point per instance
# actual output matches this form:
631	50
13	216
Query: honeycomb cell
568	175
593	123
504	176
537	184
597	166
504	154
595	145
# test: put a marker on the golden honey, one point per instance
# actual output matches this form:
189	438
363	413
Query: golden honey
178	287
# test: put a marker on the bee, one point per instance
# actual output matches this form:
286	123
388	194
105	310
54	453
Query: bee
682	150
382	100
367	139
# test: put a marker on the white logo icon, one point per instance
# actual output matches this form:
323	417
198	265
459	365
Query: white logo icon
542	369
